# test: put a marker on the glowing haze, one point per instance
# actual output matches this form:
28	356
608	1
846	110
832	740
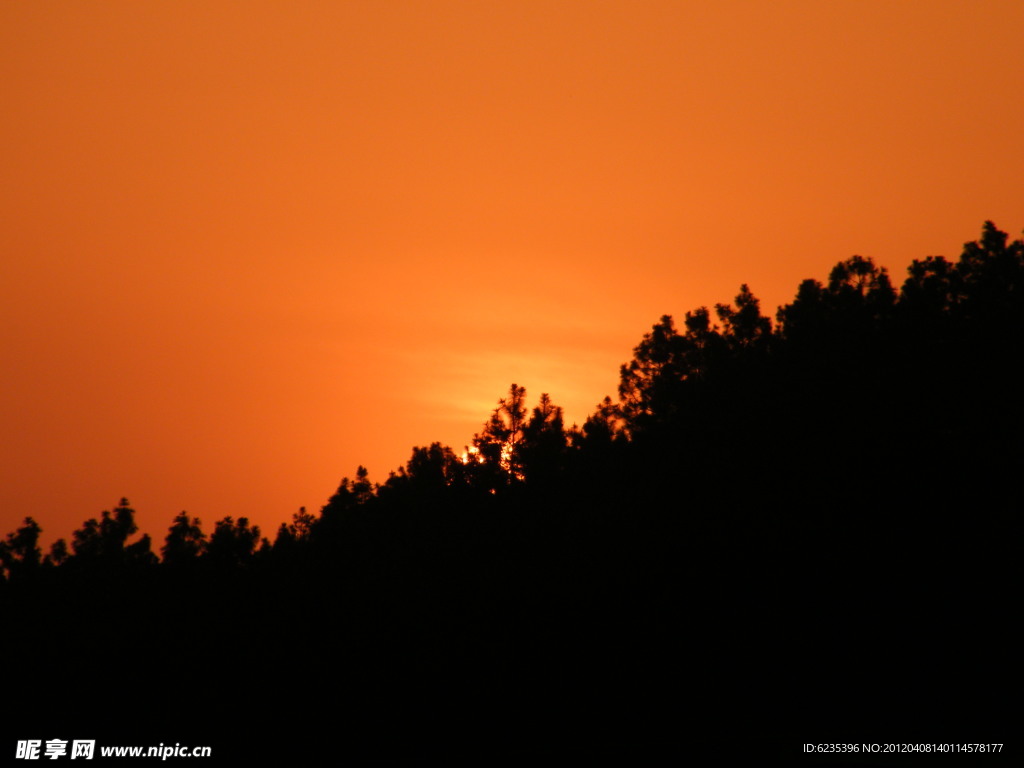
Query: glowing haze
247	246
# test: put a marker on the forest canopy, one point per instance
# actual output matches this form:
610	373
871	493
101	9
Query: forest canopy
774	522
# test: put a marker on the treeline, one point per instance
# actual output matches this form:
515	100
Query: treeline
780	529
851	366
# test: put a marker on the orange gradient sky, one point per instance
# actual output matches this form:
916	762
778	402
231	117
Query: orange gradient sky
246	246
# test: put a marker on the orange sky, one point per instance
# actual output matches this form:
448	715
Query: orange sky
246	246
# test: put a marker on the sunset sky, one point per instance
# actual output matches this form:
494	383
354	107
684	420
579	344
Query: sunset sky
247	246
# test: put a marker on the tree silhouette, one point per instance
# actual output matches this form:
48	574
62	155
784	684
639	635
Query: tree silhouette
232	544
429	472
58	553
744	327
139	554
858	301
666	364
544	442
350	495
185	541
604	424
497	445
298	532
104	541
20	555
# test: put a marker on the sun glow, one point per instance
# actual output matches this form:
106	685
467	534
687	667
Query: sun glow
471	456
